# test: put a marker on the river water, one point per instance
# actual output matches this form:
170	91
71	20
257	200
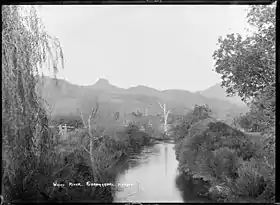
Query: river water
152	176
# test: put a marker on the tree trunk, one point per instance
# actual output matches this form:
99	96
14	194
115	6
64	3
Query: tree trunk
165	117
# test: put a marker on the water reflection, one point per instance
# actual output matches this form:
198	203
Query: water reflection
153	176
190	189
165	157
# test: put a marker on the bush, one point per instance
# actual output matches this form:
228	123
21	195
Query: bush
256	180
70	162
135	137
250	183
181	130
132	127
224	163
228	159
70	120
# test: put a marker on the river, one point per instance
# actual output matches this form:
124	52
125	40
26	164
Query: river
152	176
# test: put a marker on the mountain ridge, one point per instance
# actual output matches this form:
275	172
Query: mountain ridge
219	92
67	97
216	91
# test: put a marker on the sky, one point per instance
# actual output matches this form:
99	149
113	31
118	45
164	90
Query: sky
164	47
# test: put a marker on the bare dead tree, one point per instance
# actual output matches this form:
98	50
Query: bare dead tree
165	115
92	132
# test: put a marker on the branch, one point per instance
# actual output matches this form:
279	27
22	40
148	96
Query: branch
168	112
95	110
85	149
92	113
160	105
82	118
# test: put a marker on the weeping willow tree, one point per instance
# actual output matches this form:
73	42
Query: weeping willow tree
26	47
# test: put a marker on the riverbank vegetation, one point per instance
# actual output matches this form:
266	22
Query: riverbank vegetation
67	167
237	166
38	165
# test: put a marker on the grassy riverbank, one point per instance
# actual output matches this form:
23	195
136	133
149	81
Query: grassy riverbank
64	171
237	167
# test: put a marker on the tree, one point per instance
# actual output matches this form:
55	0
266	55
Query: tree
93	134
165	116
201	112
248	122
25	46
247	66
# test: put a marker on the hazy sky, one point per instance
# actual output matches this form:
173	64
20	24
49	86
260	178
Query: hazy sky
164	47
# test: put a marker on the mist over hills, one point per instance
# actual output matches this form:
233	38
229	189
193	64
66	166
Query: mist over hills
65	98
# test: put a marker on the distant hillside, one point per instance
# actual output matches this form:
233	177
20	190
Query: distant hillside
103	84
66	98
218	92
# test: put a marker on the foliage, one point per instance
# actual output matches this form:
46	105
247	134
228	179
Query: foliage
247	122
181	129
247	66
261	117
71	162
44	158
215	152
136	137
70	120
224	156
263	108
214	136
25	47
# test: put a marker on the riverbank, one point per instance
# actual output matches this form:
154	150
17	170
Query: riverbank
162	138
68	173
231	163
158	140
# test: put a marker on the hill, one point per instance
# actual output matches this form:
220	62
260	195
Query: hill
66	98
218	92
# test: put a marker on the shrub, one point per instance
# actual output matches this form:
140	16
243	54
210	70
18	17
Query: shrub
132	127
256	180
224	156
181	130
70	162
70	120
198	127
224	163
250	183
